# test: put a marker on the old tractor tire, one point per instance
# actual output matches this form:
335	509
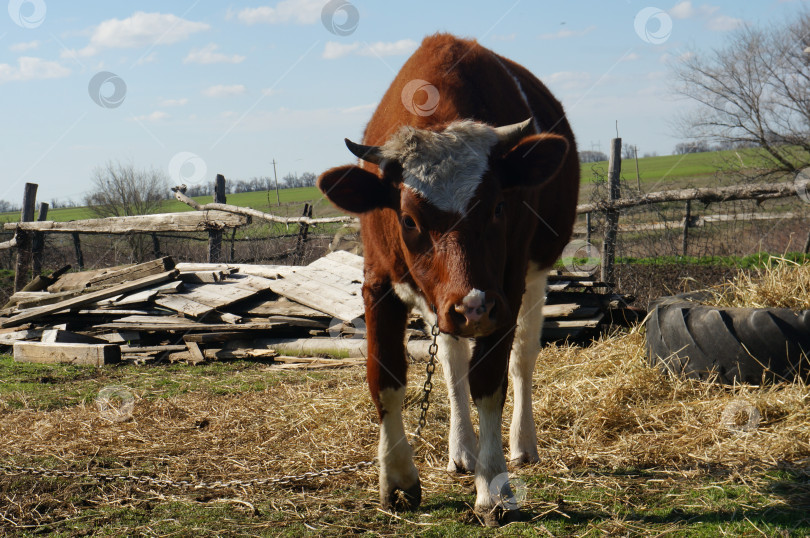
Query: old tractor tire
728	345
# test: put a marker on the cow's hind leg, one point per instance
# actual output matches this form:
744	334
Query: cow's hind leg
525	348
454	354
386	370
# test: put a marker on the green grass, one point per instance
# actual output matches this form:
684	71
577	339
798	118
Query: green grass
255	200
669	171
585	501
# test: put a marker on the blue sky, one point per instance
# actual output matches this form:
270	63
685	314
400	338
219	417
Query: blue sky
197	88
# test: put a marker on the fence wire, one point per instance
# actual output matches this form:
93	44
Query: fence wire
719	229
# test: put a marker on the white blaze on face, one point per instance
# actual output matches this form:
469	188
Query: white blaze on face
444	167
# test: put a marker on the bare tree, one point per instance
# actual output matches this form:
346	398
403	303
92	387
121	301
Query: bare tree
122	190
755	91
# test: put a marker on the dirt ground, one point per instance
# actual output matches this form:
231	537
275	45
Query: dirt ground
648	282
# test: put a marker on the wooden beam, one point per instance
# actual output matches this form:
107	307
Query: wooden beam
62	353
87	298
188	221
706	195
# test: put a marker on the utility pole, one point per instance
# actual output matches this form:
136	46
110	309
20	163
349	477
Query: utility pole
278	197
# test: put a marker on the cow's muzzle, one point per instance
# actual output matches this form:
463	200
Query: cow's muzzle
476	314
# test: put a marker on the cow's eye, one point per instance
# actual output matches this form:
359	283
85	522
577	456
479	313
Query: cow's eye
498	210
408	223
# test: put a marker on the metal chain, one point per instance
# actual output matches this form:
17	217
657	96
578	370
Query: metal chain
167	482
430	368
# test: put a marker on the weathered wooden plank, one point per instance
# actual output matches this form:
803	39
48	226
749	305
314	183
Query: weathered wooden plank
87	298
184	305
321	296
53	336
144	296
62	353
133	272
589	323
280	306
569	310
8	338
266	271
178	324
189	221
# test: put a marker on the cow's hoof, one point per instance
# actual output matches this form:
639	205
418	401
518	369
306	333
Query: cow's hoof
461	466
524	458
497	516
402	500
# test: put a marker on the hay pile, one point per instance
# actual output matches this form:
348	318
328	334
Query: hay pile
782	283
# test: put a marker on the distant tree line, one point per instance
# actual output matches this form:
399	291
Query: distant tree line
255	184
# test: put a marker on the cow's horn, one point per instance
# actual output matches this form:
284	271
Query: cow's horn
371	154
509	135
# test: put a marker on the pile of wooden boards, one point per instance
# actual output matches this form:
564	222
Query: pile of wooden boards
160	310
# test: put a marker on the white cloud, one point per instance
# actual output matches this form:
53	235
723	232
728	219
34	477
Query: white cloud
568	80
565	33
299	11
724	23
334	50
631	57
714	21
685	10
29	68
209	55
139	30
222	90
157	115
22	47
174	102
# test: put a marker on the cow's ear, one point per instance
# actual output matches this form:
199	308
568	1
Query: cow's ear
356	190
535	160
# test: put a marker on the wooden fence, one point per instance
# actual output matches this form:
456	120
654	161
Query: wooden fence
213	218
216	217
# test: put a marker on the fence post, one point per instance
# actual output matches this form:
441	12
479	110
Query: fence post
155	245
215	236
77	248
612	215
588	234
687	220
39	239
303	229
24	238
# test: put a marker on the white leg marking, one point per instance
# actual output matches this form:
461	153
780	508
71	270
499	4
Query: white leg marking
395	455
526	346
491	460
454	355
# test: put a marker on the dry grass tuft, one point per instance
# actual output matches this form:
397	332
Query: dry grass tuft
603	406
781	283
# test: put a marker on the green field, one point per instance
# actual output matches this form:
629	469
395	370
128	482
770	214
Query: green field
256	200
674	171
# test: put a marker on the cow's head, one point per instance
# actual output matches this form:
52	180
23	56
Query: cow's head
448	191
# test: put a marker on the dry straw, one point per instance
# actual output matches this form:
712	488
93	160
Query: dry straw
597	408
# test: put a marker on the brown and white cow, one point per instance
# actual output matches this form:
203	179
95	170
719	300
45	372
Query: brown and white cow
464	206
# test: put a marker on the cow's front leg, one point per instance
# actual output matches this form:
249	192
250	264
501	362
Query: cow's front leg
386	370
454	354
488	388
526	347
